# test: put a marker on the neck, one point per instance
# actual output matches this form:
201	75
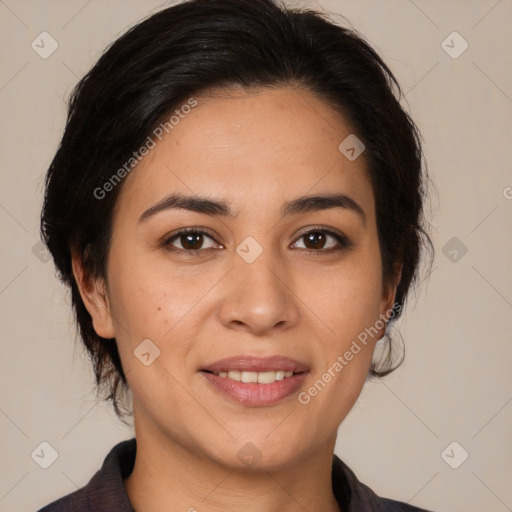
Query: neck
167	476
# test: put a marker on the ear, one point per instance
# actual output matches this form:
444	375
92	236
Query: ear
388	295
93	293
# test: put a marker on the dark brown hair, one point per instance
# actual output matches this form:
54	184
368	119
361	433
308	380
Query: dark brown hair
203	44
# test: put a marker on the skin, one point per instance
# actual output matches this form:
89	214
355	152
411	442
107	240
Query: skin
256	151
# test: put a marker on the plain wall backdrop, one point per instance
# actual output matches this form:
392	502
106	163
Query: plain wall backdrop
455	385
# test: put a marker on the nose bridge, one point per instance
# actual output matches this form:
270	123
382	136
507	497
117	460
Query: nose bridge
259	297
264	277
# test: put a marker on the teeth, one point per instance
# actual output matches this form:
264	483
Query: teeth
266	377
260	377
249	376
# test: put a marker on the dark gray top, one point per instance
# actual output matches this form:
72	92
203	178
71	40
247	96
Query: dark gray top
105	491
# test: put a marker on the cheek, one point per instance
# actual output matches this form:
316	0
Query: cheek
350	308
353	299
148	299
151	302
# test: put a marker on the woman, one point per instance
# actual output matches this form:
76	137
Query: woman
236	205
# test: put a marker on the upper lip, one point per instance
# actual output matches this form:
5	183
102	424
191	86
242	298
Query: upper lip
256	364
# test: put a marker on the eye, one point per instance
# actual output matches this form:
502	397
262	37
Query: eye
191	240
194	240
323	240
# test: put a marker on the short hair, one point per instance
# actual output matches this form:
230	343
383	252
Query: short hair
197	46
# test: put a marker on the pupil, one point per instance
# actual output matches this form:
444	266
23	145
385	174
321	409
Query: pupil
192	241
316	239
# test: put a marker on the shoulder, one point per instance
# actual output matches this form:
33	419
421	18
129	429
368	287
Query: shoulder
105	490
358	497
75	501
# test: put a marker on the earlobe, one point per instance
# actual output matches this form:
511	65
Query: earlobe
95	298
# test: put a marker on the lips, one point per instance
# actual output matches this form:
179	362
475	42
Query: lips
256	364
256	382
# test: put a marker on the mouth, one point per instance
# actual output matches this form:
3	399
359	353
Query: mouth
254	381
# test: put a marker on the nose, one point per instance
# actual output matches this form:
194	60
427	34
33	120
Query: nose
259	297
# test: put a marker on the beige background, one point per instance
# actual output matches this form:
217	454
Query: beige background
455	384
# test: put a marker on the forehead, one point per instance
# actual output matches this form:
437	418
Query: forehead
256	148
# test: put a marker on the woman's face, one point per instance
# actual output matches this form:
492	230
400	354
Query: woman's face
251	285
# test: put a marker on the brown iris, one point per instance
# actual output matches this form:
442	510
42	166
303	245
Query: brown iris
316	239
191	241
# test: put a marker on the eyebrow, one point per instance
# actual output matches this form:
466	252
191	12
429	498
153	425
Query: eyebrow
216	207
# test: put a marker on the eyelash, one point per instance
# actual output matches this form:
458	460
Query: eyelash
343	242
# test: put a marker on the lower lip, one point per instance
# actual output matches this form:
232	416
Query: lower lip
253	394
